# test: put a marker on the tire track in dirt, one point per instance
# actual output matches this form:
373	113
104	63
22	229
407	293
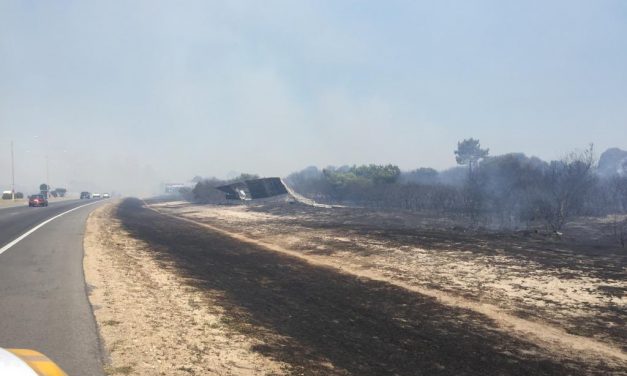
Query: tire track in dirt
554	339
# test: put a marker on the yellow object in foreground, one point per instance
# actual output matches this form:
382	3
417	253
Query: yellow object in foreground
36	361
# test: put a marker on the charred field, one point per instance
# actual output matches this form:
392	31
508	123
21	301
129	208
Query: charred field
342	301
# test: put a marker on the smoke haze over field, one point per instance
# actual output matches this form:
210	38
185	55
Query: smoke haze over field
125	95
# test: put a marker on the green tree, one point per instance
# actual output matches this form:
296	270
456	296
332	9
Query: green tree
469	153
378	173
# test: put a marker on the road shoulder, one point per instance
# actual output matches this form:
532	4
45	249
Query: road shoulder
151	321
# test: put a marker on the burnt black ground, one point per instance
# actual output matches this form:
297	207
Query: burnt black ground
584	250
307	314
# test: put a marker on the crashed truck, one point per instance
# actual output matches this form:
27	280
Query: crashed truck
254	189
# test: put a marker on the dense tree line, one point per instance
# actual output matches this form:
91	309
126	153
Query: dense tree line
510	190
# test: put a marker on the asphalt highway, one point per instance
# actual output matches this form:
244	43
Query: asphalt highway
43	297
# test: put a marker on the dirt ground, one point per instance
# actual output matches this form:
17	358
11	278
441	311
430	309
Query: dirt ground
151	320
338	291
579	288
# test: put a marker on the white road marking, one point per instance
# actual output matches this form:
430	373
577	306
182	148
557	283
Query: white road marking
20	238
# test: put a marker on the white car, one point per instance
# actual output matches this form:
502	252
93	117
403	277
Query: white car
95	195
105	195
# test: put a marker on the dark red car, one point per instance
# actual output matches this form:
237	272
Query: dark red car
37	200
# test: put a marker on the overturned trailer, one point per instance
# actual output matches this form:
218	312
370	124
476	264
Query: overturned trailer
254	189
235	191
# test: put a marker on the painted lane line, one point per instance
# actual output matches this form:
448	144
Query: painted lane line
20	238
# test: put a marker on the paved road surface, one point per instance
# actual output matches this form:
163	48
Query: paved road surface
43	301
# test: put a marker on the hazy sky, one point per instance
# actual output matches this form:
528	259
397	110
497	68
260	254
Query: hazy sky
121	95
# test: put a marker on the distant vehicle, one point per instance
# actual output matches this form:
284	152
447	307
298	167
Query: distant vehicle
105	195
37	200
95	195
7	195
85	195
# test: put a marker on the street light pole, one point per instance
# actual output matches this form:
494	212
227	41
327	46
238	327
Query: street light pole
47	172
12	173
